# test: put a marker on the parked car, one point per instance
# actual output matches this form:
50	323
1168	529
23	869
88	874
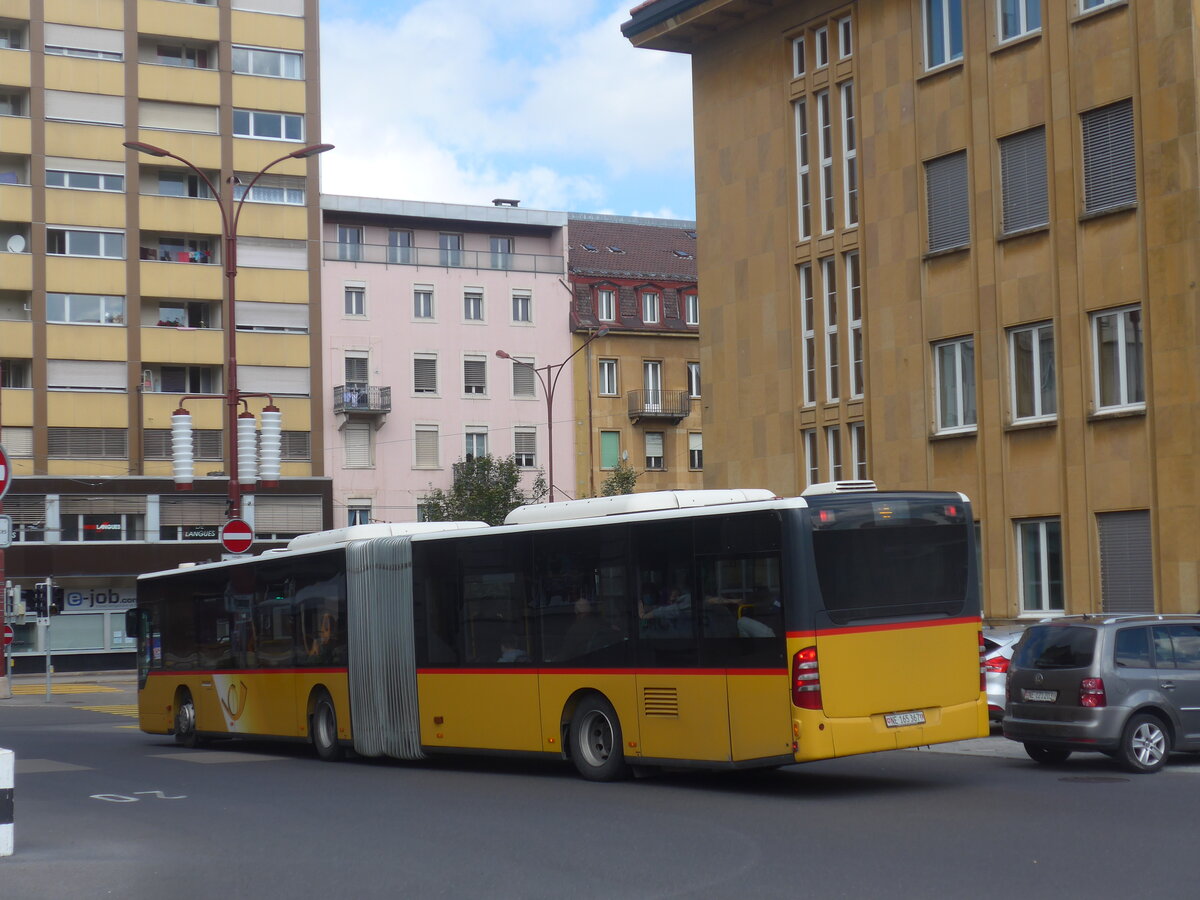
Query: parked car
998	645
1128	686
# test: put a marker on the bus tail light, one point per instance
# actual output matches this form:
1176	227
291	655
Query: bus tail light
806	679
982	664
1091	693
996	664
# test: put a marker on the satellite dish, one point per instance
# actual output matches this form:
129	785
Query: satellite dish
16	244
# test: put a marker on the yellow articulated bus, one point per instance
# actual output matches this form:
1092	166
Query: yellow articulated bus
715	629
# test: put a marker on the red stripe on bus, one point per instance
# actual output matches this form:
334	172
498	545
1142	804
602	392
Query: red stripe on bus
894	626
173	673
511	671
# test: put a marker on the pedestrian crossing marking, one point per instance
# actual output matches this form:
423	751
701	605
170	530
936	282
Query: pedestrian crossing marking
122	709
35	689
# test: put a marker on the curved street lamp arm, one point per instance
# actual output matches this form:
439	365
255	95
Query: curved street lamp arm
562	365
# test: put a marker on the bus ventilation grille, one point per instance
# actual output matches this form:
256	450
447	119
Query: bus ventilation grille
660	702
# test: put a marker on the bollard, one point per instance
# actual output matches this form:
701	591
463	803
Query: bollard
7	767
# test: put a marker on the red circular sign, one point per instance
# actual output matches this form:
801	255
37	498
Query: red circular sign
8	635
237	536
5	472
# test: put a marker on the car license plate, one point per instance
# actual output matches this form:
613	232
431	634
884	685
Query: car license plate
1039	696
898	720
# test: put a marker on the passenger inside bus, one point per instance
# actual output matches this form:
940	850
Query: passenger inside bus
588	632
511	650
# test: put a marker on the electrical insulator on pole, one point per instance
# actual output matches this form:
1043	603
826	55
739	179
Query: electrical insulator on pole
247	450
182	462
269	444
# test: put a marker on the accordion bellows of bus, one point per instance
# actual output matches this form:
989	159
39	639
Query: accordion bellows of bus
715	629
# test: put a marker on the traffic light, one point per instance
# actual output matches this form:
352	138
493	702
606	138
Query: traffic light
56	601
38	605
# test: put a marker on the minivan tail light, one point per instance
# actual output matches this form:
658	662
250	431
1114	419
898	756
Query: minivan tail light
1091	693
806	679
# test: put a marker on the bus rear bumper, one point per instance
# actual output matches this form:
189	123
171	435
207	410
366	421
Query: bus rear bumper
820	737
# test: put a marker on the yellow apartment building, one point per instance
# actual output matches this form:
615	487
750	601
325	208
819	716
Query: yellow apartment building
953	244
635	314
114	302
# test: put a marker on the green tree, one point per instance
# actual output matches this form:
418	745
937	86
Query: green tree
623	480
485	489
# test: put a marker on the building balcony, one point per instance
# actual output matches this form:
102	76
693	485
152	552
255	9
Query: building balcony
672	406
544	264
362	399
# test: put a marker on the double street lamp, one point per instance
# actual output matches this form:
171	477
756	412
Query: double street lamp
229	225
548	376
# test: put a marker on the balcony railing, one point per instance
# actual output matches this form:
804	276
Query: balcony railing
369	399
673	405
445	259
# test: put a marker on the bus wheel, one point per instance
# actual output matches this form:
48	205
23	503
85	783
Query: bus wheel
323	729
596	747
185	721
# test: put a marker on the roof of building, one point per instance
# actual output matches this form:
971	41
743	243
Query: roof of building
622	247
457	212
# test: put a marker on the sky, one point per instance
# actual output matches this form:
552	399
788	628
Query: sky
542	101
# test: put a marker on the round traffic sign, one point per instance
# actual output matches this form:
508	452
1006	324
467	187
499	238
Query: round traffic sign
236	536
8	635
5	472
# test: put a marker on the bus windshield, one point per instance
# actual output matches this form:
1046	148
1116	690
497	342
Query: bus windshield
899	558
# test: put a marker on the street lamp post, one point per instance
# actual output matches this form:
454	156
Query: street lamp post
548	376
229	226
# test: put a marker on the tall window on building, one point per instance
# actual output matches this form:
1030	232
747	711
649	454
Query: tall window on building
808	335
1031	361
358	512
476	443
1117	354
947	202
1126	561
1026	202
833	448
473	305
400	247
797	57
606	305
830	304
943	32
357	368
954	376
423	301
654	450
693	380
350	240
525	447
858	449
475	375
610	449
691	308
502	251
803	187
1039	549
1109	157
522	306
812	465
1019	17
608	377
356	439
425	447
524	379
356	300
695	450
651	308
855	333
450	249
821	47
425	373
849	154
825	148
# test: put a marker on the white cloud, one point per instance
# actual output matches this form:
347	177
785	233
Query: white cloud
539	100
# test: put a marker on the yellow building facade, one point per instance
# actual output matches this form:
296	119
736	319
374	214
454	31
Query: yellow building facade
1000	230
114	299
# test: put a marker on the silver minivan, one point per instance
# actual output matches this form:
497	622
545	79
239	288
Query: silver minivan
1128	686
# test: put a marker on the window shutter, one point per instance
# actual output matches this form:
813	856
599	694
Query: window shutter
287	515
102	166
695	441
274	379
357	440
85	374
285	316
610	449
178	117
272	253
1109	163
1023	180
426	447
191	511
25	510
79	107
654	443
425	374
18	441
356	369
1126	578
525	443
112	505
78	37
296	445
87	443
524	380
475	376
948	202
206	443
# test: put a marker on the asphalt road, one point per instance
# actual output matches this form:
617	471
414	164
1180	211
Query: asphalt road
103	810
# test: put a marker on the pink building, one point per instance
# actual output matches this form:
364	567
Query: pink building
417	300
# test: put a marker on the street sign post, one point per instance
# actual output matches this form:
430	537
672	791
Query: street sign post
237	536
5	532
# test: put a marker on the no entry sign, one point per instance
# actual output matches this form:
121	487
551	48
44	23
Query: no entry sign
8	635
236	536
5	472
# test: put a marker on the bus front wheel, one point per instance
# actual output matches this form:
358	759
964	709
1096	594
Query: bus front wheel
185	721
596	747
323	729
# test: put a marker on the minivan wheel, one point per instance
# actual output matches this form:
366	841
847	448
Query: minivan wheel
1144	744
1049	756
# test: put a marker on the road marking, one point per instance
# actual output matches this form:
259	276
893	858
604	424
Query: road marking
35	689
124	709
218	756
39	766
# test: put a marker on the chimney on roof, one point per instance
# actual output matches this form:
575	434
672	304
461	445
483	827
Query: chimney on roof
500	201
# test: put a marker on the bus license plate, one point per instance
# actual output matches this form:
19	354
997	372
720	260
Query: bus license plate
898	720
1039	696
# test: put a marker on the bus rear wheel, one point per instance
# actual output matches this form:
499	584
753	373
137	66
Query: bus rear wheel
185	721
596	746
323	729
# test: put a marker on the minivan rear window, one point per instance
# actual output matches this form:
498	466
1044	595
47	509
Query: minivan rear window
1056	647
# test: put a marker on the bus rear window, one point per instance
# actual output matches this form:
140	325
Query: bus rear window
1056	647
897	570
